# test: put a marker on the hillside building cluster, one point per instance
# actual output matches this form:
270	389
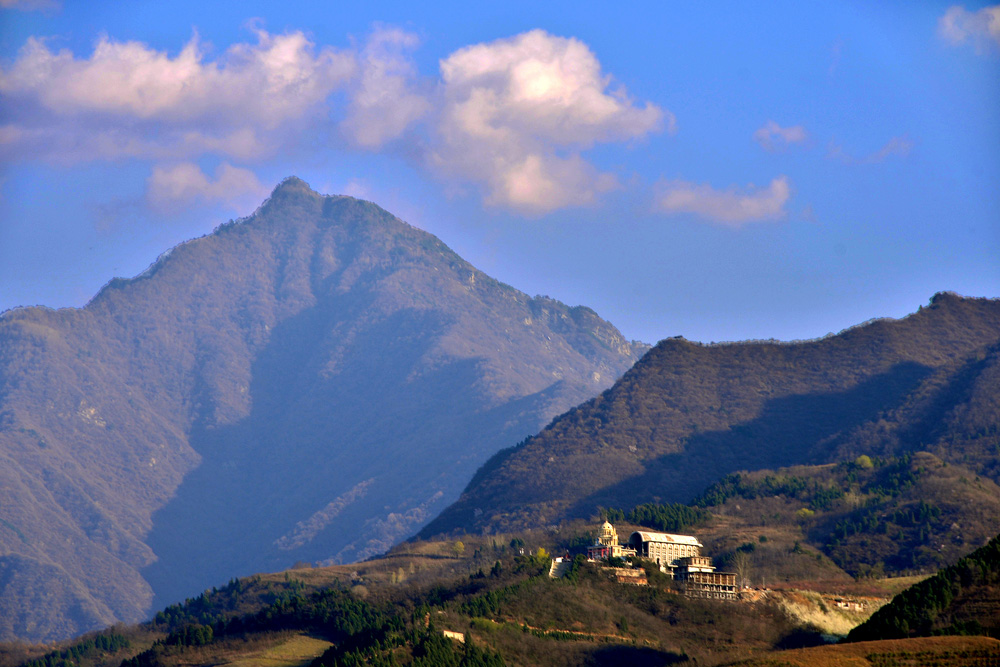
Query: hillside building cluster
676	555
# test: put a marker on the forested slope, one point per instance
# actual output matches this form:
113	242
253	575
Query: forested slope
687	414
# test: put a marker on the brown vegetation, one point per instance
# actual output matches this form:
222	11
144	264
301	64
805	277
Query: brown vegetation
687	414
311	383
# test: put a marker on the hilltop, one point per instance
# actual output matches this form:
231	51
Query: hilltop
311	383
688	414
492	601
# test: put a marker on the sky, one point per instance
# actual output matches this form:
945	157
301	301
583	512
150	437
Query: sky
721	171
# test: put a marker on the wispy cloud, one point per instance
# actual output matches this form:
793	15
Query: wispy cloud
980	28
179	186
896	146
773	137
733	207
385	100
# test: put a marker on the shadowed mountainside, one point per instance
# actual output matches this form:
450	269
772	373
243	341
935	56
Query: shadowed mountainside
311	383
686	414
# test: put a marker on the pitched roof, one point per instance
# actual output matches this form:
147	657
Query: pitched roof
646	536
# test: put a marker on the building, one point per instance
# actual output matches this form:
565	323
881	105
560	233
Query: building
698	579
607	545
677	555
664	549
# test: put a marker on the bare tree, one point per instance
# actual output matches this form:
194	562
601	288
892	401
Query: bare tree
742	565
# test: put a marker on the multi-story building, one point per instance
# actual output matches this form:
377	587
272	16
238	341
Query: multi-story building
664	549
698	579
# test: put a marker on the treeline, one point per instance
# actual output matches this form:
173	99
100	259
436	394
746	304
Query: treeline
921	516
429	648
879	477
211	606
924	609
741	485
668	517
70	657
363	633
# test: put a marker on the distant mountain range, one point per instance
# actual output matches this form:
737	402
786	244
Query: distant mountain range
313	383
688	414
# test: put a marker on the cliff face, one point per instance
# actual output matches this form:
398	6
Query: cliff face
686	414
312	383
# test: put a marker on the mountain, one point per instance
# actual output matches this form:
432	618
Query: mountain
688	414
963	598
311	383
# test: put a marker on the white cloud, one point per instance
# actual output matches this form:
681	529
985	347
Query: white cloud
732	207
513	116
173	188
518	112
384	103
773	136
128	99
981	27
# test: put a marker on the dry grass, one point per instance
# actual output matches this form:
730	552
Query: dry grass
918	652
812	609
263	650
299	650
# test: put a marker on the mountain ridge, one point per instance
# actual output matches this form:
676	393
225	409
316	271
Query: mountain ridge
292	349
687	413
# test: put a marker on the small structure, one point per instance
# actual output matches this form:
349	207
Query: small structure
698	579
607	545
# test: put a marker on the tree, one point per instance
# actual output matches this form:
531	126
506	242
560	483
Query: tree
741	564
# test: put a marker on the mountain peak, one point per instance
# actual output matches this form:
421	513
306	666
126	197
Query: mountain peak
292	184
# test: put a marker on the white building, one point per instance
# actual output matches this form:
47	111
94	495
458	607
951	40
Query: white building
664	549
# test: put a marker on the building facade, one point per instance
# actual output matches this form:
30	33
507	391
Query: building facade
664	549
607	545
698	579
677	555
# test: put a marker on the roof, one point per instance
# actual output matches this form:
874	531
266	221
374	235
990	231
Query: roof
667	538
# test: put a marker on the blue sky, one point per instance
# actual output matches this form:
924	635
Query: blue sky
720	171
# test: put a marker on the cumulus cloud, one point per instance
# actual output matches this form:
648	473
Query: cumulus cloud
518	112
981	28
773	136
384	102
128	99
733	207
513	116
172	188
